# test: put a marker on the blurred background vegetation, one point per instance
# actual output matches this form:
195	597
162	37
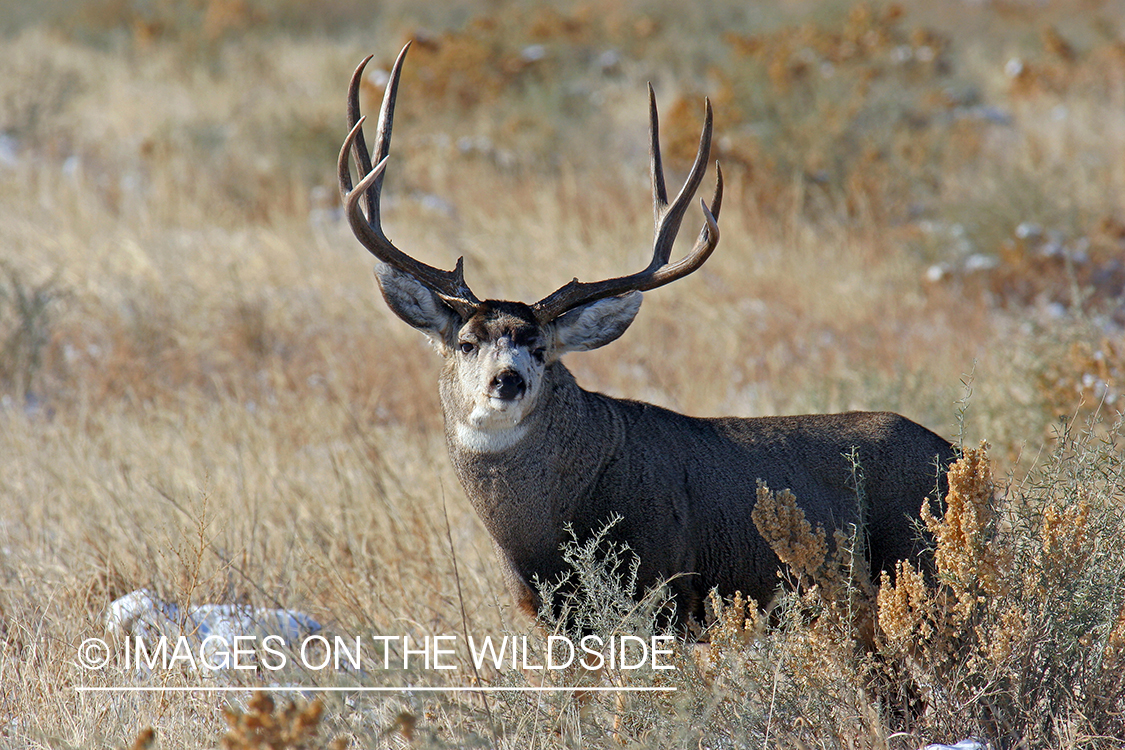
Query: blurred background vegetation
202	393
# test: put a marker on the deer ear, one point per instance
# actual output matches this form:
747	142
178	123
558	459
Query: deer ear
417	305
596	324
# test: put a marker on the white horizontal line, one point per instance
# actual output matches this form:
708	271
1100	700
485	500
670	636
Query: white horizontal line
363	689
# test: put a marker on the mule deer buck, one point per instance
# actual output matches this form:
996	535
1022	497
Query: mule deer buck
538	455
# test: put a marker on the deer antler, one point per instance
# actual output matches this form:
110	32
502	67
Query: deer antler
668	218
450	286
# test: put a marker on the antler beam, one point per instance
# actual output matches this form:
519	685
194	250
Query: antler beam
450	286
668	219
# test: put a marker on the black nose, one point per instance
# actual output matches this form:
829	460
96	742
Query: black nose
508	385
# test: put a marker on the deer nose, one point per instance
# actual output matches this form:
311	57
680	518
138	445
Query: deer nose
508	385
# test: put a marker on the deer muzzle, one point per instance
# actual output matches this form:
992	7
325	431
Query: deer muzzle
508	385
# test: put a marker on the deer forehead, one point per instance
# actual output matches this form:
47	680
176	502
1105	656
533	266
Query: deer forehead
503	320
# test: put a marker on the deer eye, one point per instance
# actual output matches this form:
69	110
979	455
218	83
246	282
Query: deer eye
467	347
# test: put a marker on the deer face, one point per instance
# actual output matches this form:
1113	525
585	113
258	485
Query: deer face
498	360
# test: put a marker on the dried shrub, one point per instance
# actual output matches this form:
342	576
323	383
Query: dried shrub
736	623
833	579
965	556
929	622
822	632
266	726
1015	635
1018	634
144	739
784	526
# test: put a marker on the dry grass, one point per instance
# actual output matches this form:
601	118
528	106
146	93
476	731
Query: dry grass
202	394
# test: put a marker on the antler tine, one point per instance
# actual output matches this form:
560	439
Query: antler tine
706	243
668	221
448	285
668	218
362	157
659	192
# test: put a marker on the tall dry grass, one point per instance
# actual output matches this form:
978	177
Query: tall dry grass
202	394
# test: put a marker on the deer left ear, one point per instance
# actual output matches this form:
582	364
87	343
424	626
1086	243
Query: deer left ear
594	325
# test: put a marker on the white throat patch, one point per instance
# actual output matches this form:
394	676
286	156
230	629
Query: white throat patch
488	440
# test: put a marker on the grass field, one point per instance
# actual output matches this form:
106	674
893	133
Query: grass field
202	393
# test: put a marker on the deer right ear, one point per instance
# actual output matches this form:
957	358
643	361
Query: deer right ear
417	305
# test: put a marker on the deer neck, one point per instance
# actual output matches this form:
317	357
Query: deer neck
533	476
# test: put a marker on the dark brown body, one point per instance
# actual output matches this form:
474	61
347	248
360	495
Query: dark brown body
684	487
